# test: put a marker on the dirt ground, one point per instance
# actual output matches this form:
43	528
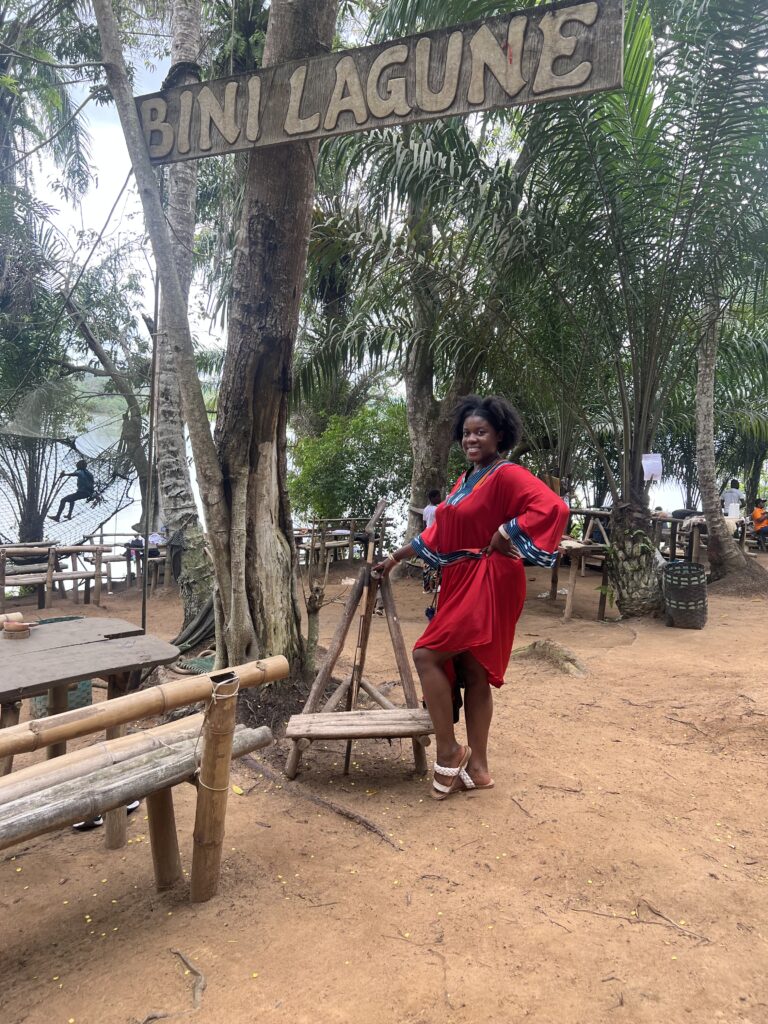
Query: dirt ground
617	872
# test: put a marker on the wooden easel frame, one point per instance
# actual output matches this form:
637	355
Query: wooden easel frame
363	599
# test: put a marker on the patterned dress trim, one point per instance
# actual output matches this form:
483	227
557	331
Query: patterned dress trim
530	551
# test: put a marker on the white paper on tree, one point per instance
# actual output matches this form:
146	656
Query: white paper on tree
652	466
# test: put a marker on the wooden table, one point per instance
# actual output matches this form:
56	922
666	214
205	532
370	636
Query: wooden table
578	552
60	653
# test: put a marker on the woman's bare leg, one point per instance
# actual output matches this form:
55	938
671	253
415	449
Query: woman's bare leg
478	712
438	693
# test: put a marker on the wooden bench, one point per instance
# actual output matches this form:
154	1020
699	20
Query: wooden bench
104	777
48	574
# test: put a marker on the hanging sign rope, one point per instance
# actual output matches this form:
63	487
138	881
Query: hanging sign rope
548	52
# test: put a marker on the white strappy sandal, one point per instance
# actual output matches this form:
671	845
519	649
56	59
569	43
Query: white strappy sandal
459	777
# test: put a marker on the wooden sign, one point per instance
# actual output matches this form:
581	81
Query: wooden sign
545	53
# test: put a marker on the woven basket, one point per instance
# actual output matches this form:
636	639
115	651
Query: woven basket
685	595
80	696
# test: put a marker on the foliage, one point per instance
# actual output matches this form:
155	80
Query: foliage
356	461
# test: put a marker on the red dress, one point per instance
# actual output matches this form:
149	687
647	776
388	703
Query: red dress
481	596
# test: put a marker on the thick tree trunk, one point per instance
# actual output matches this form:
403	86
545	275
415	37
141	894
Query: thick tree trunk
260	615
633	571
725	555
177	500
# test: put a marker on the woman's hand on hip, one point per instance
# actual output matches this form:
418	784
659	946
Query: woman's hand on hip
503	546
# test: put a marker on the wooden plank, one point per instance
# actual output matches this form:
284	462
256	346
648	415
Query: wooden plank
9	716
164	839
57	636
542	53
405	722
403	666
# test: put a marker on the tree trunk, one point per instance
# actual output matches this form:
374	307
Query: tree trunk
177	500
759	453
633	571
725	555
260	615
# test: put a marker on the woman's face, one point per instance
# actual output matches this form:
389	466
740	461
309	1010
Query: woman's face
479	440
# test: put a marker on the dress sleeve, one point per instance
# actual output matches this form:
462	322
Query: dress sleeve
537	516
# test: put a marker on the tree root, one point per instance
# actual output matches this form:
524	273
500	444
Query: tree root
664	922
344	812
199	984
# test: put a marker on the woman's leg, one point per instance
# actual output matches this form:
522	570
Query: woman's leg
438	693
478	712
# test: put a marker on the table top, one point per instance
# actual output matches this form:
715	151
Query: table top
57	653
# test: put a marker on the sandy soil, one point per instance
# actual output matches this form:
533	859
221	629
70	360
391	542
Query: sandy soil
618	872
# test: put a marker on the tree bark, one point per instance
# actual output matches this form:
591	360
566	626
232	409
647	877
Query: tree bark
177	500
725	555
632	564
261	611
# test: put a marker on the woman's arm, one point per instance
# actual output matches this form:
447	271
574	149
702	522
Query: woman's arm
385	568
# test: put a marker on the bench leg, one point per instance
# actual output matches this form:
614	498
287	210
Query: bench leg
603	592
116	822
163	839
572	577
41	597
87	598
58	701
554	578
9	715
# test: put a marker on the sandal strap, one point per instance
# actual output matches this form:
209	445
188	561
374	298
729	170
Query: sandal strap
450	772
466	778
441	788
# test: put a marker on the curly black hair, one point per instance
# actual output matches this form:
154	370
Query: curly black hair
495	410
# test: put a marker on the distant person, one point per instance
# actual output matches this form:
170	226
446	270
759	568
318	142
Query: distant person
428	513
731	496
85	488
760	523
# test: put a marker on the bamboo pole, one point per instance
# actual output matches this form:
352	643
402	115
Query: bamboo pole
156	700
9	716
2	583
49	577
97	578
164	839
213	789
86	797
95	757
58	701
116	823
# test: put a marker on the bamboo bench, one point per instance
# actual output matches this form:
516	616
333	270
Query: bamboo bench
46	576
104	777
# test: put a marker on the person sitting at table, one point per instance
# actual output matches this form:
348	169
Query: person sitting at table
731	496
760	523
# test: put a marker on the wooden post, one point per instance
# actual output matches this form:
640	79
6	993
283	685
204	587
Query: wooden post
572	577
673	540
97	580
128	561
116	831
49	577
555	574
403	666
164	839
2	579
603	592
213	788
58	701
75	588
9	715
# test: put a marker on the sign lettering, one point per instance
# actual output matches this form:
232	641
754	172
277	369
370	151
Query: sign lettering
546	53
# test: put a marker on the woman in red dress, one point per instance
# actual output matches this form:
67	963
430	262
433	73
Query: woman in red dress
496	515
